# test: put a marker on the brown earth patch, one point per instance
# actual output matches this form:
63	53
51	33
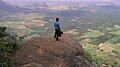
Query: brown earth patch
46	52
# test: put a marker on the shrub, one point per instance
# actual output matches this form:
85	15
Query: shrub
6	48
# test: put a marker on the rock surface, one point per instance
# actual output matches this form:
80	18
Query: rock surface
32	65
46	52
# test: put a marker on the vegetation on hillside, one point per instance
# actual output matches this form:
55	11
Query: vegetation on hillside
7	45
103	49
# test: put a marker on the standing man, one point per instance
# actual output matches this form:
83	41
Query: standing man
57	29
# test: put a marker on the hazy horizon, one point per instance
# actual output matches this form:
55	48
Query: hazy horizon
68	0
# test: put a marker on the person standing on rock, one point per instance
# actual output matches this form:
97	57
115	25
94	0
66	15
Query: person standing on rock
58	31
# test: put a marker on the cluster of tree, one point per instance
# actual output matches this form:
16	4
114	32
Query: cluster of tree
7	46
101	39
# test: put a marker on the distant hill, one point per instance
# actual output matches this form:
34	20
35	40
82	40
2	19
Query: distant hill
10	8
28	3
109	5
36	5
43	4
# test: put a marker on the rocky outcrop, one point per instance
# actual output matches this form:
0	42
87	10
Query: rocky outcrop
46	52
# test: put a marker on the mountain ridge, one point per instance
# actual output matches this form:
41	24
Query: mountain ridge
10	8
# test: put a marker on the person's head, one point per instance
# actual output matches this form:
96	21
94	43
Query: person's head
57	19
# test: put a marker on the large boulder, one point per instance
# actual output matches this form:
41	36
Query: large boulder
47	52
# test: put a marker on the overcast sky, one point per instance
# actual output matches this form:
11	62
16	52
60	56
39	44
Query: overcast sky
68	0
64	0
